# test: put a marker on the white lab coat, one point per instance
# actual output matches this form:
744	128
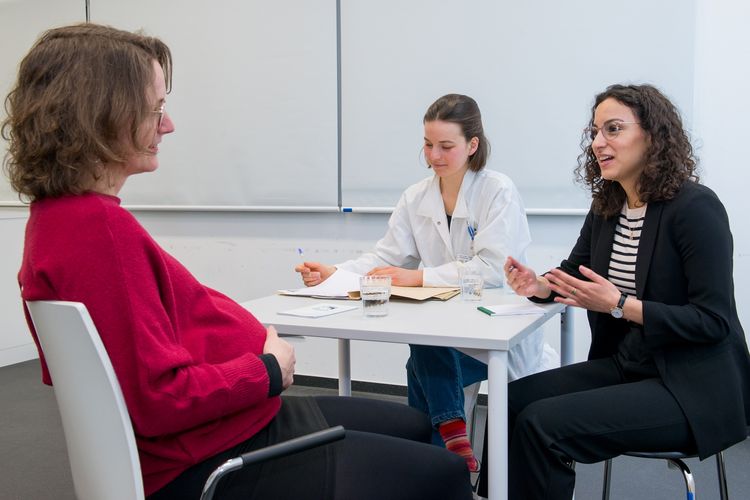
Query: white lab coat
418	234
418	230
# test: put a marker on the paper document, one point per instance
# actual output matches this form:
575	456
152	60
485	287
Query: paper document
424	292
345	285
511	309
418	292
337	286
318	310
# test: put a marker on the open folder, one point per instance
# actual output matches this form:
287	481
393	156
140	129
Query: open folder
417	292
345	285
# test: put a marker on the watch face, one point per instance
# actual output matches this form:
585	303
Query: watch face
616	312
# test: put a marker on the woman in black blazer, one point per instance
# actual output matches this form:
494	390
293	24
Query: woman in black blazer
668	367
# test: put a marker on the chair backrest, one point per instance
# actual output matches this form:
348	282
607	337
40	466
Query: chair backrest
98	432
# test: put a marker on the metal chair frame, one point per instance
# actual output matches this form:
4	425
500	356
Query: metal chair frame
674	461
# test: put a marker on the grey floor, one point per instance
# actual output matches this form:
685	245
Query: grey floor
34	464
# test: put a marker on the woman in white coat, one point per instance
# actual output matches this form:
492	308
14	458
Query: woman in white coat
461	212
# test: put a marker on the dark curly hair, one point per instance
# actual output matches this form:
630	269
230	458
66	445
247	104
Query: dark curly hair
79	103
669	158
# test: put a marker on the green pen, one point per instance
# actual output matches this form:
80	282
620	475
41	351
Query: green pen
486	311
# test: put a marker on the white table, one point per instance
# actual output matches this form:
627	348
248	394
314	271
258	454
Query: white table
450	324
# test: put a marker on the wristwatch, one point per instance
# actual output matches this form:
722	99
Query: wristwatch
616	311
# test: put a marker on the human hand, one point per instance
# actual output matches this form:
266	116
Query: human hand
523	280
314	273
400	276
598	295
284	353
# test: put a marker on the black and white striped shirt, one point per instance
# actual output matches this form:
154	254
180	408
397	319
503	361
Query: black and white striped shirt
625	248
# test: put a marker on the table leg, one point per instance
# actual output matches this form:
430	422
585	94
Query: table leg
497	428
566	336
345	368
566	341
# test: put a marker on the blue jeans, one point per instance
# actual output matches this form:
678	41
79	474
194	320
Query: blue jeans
436	377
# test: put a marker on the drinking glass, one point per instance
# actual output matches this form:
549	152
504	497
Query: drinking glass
470	282
375	292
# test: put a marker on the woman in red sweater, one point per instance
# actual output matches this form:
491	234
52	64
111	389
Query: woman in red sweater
200	375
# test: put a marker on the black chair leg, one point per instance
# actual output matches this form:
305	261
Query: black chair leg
722	475
607	479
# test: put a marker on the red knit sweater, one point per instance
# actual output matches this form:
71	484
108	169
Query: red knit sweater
185	355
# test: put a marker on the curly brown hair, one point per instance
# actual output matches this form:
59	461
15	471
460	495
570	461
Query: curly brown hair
78	103
669	158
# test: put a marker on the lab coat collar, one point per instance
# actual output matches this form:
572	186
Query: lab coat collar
461	211
432	204
433	208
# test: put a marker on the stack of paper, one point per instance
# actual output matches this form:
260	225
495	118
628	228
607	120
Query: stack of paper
345	285
337	286
318	310
418	292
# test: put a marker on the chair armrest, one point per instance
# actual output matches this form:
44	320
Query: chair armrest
282	449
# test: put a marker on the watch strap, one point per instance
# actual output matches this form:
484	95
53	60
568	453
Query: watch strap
617	311
621	302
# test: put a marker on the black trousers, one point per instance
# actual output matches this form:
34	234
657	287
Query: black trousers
385	455
586	412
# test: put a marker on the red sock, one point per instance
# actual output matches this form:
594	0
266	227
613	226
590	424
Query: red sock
454	435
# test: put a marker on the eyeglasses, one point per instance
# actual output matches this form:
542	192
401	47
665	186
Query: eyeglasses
160	111
610	130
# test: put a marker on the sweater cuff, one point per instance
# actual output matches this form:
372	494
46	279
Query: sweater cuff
274	374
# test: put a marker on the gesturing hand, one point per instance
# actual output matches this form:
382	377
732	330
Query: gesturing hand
523	280
598	295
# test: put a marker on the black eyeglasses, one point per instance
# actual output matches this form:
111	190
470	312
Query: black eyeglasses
610	130
160	111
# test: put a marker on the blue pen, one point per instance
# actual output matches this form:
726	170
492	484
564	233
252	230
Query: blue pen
472	233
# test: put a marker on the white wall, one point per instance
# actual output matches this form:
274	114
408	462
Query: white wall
250	254
721	110
15	342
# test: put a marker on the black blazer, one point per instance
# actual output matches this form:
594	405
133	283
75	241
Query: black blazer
690	323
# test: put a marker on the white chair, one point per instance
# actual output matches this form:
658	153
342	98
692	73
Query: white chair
98	432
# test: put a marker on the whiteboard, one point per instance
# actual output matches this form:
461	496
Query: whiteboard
254	101
21	23
533	66
256	104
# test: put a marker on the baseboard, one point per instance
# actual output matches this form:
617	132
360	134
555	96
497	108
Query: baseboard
18	354
361	386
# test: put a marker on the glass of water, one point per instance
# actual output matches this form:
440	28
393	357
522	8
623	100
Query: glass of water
375	291
471	282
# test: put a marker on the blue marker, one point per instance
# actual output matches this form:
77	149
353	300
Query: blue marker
301	253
